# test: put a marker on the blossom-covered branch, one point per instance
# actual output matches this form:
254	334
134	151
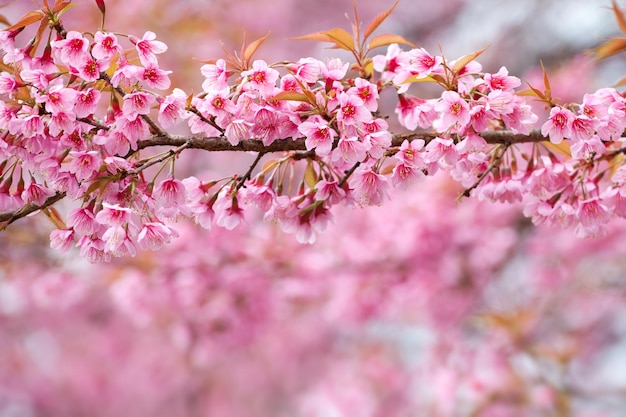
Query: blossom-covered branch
79	113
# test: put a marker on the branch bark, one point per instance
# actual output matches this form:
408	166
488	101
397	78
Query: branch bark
221	144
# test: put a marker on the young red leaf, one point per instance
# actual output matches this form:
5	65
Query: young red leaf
609	48
60	5
466	59
619	16
546	82
316	36
28	19
387	39
251	49
380	18
4	20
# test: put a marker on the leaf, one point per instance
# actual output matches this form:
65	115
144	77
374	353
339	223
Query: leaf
419	79
28	19
619	16
466	59
290	96
4	20
377	20
310	176
388	39
269	165
546	82
616	163
621	83
610	48
531	92
562	148
60	5
342	39
251	49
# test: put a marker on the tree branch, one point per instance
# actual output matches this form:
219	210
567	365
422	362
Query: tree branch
219	144
9	217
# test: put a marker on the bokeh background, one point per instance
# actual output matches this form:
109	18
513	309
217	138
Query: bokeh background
421	307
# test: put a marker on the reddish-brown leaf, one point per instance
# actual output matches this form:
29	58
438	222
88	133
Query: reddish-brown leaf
60	5
316	36
619	16
291	96
609	48
252	48
341	38
387	39
466	59
4	20
29	18
546	82
376	21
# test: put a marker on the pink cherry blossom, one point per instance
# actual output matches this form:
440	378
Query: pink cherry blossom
318	134
454	112
148	48
559	125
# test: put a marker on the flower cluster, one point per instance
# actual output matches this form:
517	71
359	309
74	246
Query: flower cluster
76	118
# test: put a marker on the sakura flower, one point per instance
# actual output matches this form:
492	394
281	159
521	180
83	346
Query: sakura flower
229	214
61	239
136	104
352	110
73	49
559	125
147	48
105	45
307	69
441	150
89	69
333	69
36	193
501	80
423	63
8	85
84	164
113	214
86	102
171	191
216	76
154	235
367	92
588	148
349	151
154	77
172	108
454	112
370	188
390	63
413	112
58	98
318	134
329	190
83	221
261	77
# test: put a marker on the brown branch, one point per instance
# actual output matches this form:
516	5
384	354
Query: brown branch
9	217
220	144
